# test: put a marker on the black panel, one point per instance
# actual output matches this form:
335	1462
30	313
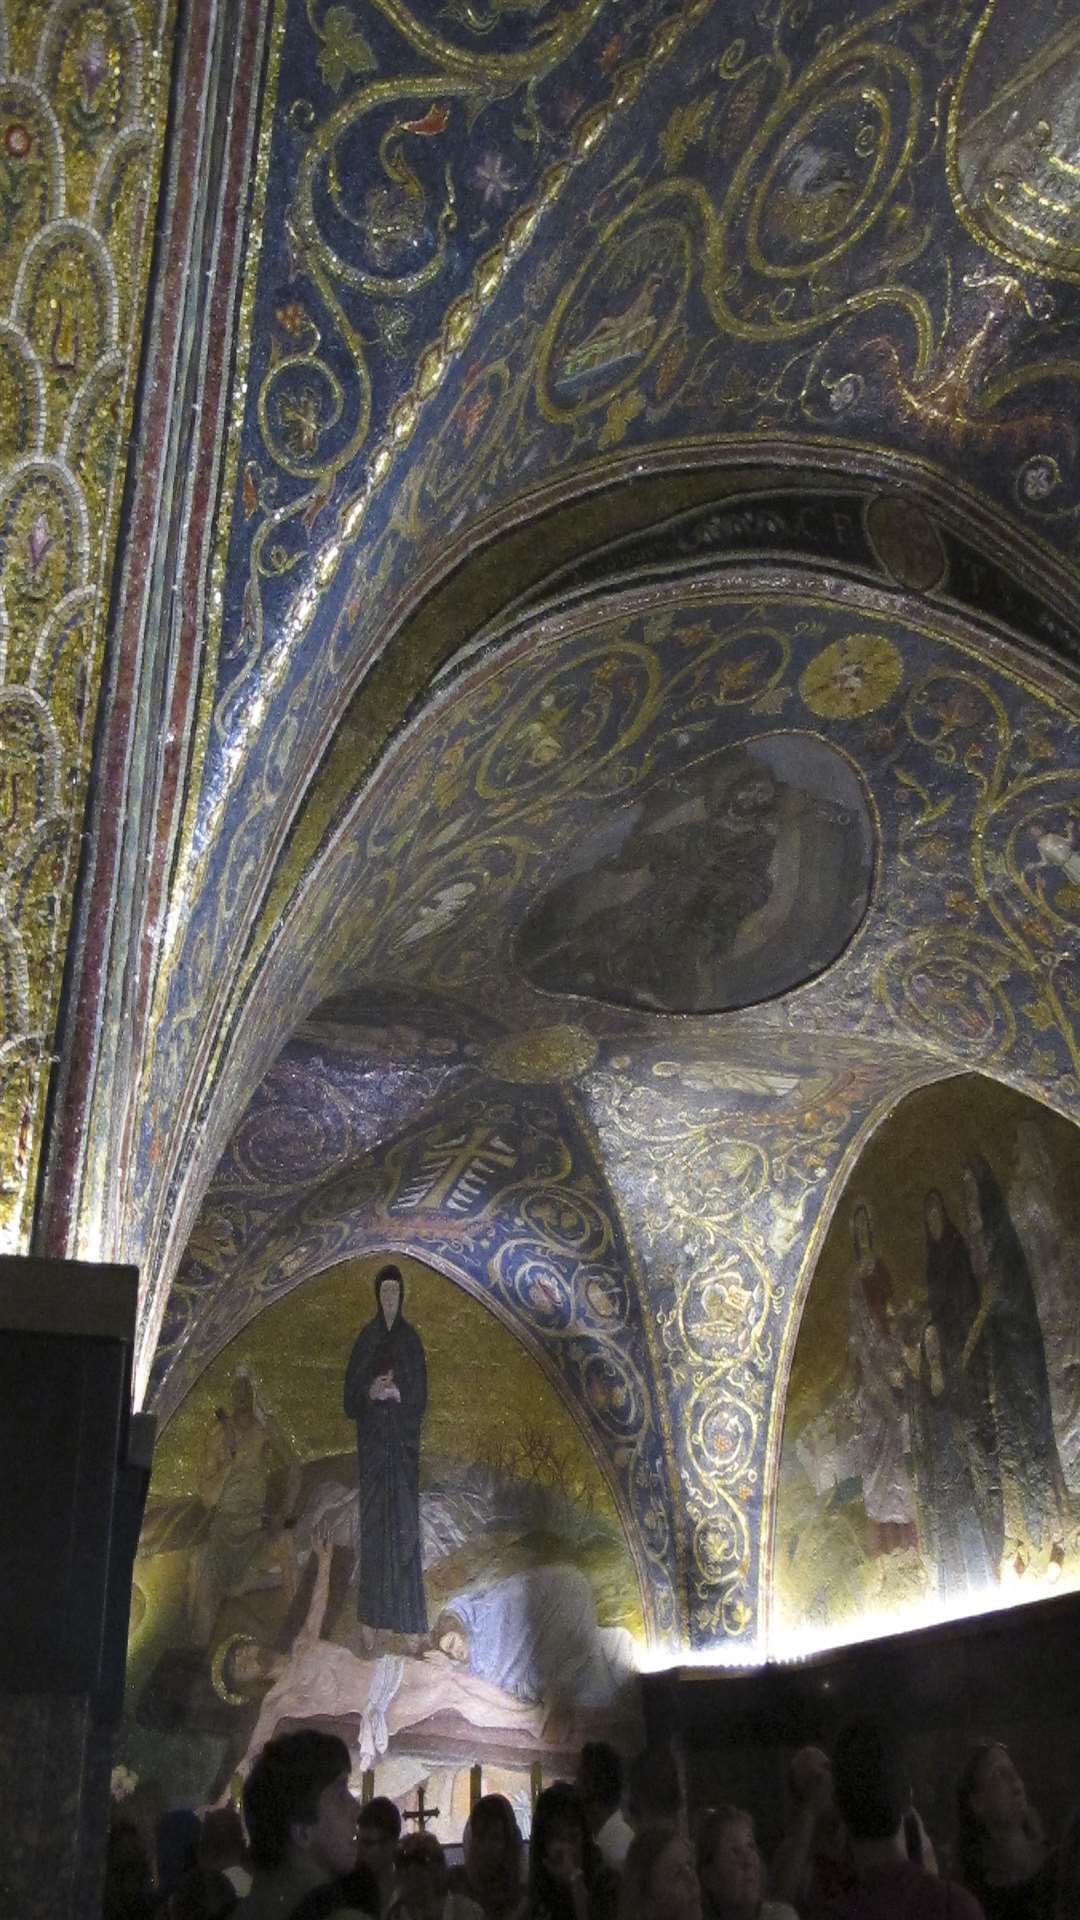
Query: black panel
63	1405
1012	1675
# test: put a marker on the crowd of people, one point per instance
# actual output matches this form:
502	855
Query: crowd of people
605	1847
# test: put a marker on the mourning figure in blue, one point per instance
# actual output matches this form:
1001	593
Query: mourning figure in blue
535	1634
386	1394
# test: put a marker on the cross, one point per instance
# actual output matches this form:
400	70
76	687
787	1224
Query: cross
421	1813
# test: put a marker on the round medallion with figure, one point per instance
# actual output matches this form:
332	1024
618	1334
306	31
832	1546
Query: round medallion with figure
615	317
719	886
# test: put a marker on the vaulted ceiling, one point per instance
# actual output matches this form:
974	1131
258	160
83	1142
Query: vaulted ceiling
564	432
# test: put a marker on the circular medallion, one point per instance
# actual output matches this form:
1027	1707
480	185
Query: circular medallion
952	993
719	886
906	543
560	1052
811	187
1012	167
465	438
719	1545
615	317
289	1144
851	677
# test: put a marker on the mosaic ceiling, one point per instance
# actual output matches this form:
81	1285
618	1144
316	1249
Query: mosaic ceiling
641	1195
83	96
593	716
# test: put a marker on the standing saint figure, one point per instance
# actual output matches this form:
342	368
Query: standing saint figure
880	1396
249	1483
953	1419
1053	1257
1007	1327
386	1394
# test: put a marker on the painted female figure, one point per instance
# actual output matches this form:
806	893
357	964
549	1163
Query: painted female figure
386	1394
1007	1325
1053	1257
952	1419
885	1437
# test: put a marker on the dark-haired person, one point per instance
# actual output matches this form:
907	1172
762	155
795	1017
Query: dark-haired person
730	1869
422	1888
386	1395
600	1784
1001	1851
654	1789
660	1880
301	1822
223	1848
812	1868
128	1892
567	1876
873	1796
354	1893
378	1830
203	1893
491	1875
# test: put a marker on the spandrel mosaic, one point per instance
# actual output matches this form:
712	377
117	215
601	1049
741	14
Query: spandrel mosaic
931	1452
374	1513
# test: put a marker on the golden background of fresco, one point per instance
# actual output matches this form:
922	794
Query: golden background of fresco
924	1143
489	1406
481	1382
484	1391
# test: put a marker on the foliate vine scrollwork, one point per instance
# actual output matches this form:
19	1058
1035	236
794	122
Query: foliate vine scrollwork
714	1300
1003	963
474	80
384	181
780	232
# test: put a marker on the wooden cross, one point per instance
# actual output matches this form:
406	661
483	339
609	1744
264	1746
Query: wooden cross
421	1813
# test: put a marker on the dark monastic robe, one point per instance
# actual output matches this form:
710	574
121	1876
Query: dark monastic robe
953	1432
1027	1446
391	1582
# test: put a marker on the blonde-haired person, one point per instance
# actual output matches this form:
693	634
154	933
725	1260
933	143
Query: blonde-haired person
730	1869
659	1878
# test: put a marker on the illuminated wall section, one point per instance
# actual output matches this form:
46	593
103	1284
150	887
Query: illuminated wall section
253	1600
930	1464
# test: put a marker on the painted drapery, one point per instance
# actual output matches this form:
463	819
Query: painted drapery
521	1558
978	1432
